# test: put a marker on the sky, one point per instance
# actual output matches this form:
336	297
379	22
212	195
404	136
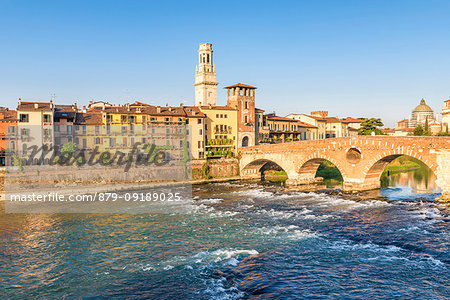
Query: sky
352	58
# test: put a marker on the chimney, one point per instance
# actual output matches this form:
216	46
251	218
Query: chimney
36	105
158	109
84	109
181	104
210	106
20	101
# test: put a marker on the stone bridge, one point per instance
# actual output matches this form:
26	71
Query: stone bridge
361	160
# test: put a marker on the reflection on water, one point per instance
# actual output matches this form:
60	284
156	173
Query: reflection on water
420	181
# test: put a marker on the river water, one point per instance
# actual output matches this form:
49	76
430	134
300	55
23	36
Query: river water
238	240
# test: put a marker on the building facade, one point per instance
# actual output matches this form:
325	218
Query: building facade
446	115
221	130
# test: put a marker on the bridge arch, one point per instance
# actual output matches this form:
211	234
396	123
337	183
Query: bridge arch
376	167
256	168
308	167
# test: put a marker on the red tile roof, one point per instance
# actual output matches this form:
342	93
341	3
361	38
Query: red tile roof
8	116
332	120
240	85
283	119
35	106
351	120
303	124
193	112
89	118
277	118
317	118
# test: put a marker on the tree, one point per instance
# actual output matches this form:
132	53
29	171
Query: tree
369	125
426	130
68	149
418	131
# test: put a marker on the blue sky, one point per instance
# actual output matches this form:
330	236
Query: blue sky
353	58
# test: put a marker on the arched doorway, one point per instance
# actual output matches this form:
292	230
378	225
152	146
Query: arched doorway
245	141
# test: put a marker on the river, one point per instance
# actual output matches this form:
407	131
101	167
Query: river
238	240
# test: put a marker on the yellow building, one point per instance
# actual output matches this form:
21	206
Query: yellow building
221	126
195	121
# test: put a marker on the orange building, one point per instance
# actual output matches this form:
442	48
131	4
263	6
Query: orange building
8	126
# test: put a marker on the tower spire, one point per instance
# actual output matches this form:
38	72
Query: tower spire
205	77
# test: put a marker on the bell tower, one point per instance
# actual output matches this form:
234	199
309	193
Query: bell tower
205	77
242	97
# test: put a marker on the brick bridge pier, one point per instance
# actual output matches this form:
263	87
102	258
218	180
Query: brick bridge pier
361	160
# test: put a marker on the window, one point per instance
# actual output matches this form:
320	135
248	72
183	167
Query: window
69	129
246	119
200	131
24	118
199	144
246	105
124	129
225	116
47	132
84	143
221	116
125	141
84	129
180	119
187	121
77	127
56	128
97	141
167	119
97	129
112	142
47	118
131	128
199	121
152	119
217	116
